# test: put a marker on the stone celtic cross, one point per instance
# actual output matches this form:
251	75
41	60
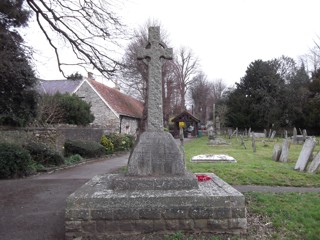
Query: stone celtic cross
154	53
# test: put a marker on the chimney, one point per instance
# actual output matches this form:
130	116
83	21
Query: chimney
90	76
116	85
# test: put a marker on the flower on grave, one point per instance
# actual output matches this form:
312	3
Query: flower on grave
203	177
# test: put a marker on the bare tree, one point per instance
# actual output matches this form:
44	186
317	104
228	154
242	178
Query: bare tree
49	111
134	73
200	94
286	68
186	67
89	27
218	87
204	94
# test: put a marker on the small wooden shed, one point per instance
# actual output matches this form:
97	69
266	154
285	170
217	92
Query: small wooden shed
191	123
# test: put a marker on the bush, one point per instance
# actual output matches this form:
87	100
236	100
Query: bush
86	149
15	161
73	159
121	142
77	111
42	154
64	108
106	142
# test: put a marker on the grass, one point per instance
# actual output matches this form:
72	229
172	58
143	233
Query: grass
252	168
293	215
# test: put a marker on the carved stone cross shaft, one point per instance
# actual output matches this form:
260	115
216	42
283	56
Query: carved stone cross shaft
153	54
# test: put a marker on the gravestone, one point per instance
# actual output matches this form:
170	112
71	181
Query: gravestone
285	151
270	132
229	133
242	142
304	134
294	136
258	134
305	154
245	133
218	125
285	134
315	164
157	194
273	134
211	135
276	152
214	115
254	148
213	158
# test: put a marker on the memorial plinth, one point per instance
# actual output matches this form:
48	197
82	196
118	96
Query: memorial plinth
96	211
157	194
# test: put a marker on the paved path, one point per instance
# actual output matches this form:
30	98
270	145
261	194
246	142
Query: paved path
33	208
89	170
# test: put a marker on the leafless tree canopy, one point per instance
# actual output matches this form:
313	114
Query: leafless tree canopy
135	72
200	93
204	94
89	27
186	67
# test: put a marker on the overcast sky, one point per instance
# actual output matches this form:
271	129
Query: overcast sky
226	35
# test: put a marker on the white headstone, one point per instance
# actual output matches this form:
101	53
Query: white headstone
294	135
315	164
273	134
284	151
276	152
305	154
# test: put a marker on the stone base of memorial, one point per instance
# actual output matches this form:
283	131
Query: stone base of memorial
97	211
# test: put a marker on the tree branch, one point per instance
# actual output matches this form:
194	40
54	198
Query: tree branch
92	31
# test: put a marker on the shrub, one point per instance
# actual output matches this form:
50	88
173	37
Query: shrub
64	108
86	149
42	154
15	161
73	159
121	142
106	142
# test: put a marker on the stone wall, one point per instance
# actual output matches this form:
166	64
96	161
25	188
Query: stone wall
54	137
129	125
103	115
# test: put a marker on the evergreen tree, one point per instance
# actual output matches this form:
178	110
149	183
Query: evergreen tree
76	110
64	108
75	76
311	110
18	100
258	99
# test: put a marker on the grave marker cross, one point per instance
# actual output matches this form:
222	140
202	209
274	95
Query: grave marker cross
153	54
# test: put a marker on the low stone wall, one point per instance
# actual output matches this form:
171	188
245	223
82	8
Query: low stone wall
54	137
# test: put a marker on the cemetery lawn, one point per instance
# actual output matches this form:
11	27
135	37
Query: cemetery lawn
252	168
293	215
